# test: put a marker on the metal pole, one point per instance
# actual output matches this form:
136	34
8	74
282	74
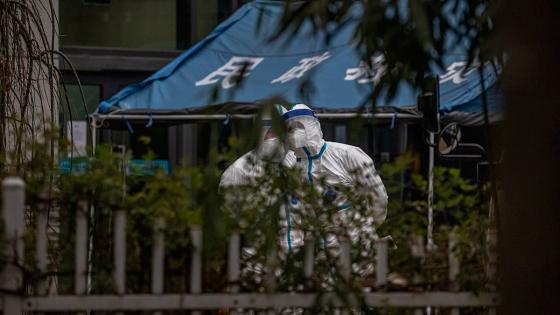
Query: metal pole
93	133
430	246
89	270
184	117
92	212
13	213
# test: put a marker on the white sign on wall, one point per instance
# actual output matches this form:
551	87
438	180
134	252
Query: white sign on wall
77	136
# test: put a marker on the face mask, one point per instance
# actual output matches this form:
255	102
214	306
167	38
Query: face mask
296	139
271	149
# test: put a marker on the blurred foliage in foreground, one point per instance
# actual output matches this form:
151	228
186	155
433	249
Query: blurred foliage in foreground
189	197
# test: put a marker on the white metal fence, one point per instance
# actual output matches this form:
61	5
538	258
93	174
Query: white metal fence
14	301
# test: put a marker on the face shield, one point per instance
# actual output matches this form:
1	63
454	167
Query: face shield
304	129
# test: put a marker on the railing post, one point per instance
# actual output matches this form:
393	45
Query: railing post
382	265
41	243
417	250
13	213
271	263
344	259
454	266
119	252
309	256
196	263
345	265
234	264
492	261
81	246
270	276
158	257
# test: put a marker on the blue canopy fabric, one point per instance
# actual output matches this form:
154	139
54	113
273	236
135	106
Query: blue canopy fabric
332	71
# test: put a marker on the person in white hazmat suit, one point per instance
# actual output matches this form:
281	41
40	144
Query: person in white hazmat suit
245	171
337	165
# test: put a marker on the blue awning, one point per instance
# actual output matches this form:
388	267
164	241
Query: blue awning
335	76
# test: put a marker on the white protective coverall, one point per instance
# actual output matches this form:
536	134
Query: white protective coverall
337	164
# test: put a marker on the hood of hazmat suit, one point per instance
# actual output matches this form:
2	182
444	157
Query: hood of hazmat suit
250	165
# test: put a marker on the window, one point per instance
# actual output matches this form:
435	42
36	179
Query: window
137	24
74	108
141	24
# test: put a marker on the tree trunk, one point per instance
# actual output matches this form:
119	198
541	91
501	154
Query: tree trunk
530	217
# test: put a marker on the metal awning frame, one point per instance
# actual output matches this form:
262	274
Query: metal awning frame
189	117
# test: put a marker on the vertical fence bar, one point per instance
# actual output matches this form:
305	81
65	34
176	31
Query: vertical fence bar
418	250
344	258
41	245
308	258
454	266
234	264
382	265
345	265
81	246
492	261
119	252
196	263
158	256
271	263
270	276
13	213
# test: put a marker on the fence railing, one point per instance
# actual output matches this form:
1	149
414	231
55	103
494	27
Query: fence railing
14	301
